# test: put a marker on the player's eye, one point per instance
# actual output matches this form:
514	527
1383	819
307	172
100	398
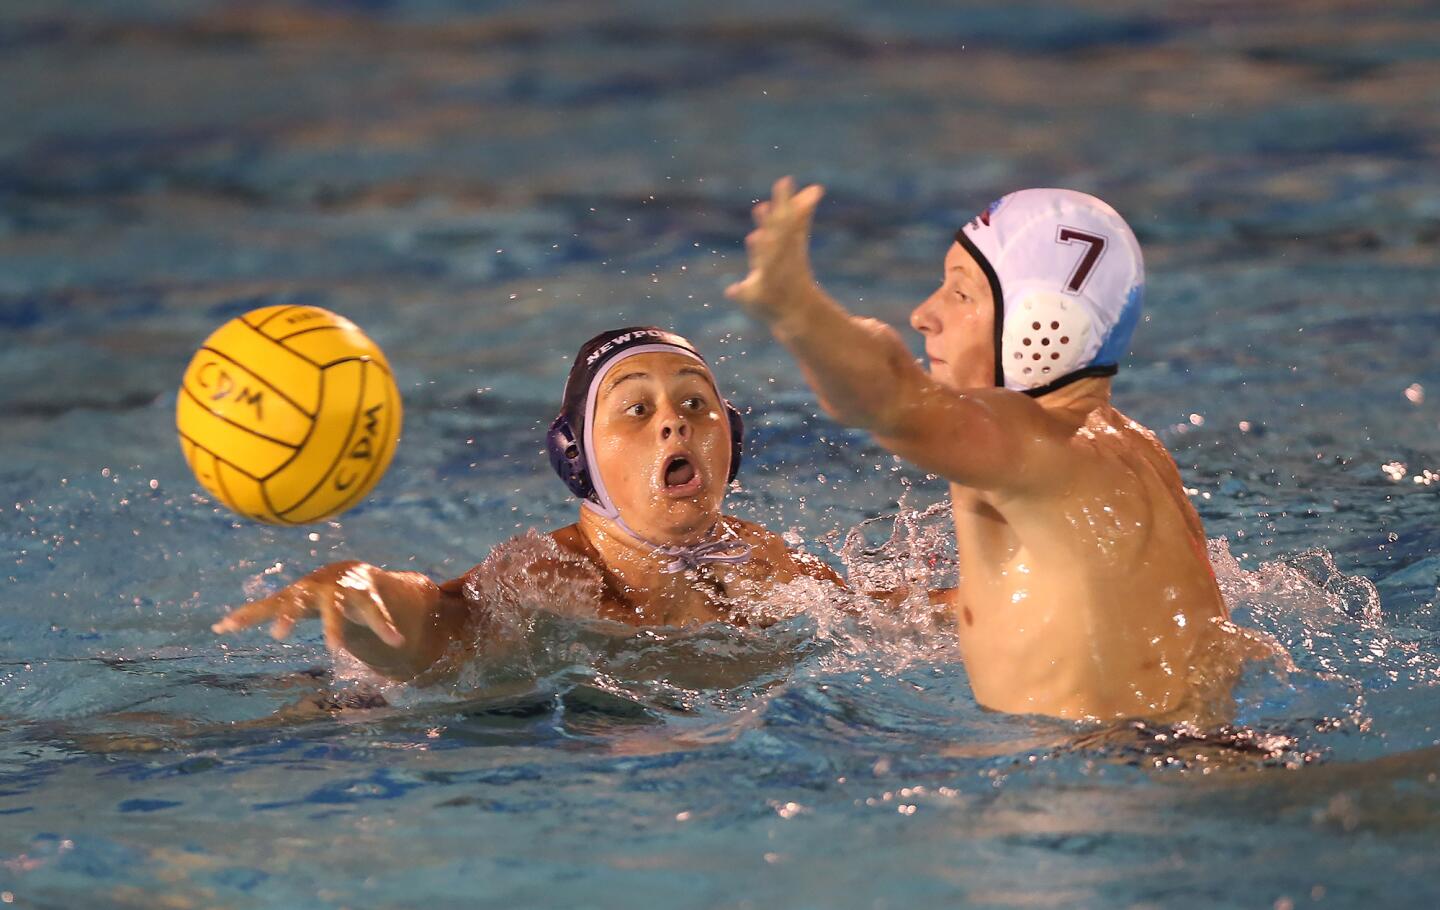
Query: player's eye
638	409
695	403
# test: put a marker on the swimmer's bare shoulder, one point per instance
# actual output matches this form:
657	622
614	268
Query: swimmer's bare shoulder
777	559
581	565
1120	459
1163	463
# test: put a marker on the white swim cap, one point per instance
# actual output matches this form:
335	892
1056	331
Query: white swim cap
1068	278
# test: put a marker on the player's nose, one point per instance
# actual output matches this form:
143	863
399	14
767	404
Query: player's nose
672	422
923	318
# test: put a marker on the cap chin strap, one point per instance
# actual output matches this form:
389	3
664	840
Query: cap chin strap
726	549
729	550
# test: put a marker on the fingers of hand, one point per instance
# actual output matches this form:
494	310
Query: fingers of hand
746	291
808	198
244	617
294	604
765	248
285	602
366	609
234	622
788	210
334	625
781	192
281	628
755	241
800	210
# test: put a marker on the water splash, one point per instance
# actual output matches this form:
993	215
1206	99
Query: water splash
1331	623
540	634
547	653
917	554
1352	662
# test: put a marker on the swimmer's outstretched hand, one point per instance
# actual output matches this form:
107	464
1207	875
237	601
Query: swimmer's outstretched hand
339	594
780	280
400	624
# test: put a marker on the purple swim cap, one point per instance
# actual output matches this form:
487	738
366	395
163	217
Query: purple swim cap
568	440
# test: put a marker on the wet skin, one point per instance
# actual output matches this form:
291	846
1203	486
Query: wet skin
663	452
1085	588
652	410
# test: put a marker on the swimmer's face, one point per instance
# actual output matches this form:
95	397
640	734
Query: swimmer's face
958	322
662	446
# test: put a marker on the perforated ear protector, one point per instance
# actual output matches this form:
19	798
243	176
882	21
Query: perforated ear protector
1046	335
567	456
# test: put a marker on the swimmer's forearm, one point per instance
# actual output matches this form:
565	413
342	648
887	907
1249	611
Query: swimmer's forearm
446	641
856	366
431	620
865	377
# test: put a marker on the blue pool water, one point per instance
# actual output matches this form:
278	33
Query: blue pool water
482	187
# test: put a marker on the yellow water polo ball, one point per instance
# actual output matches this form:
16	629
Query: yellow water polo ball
288	414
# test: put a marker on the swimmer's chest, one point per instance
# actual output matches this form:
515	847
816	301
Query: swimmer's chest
1022	612
1101	565
999	571
692	597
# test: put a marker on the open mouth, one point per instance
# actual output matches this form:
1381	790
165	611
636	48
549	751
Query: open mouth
681	475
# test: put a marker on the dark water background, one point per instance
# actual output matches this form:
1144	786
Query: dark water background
483	186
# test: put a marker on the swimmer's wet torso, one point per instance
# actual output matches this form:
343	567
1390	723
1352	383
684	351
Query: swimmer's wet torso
1085	590
1061	594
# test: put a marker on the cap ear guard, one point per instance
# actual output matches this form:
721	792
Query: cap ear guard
567	456
1047	336
737	439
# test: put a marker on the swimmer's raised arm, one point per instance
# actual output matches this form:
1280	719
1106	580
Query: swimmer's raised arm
864	375
400	624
